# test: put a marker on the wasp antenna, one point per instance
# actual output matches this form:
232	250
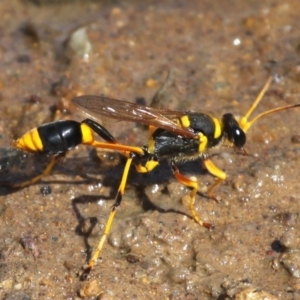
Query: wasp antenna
249	124
243	122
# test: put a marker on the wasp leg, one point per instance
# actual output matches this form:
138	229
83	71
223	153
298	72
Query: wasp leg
48	169
96	254
194	185
148	167
221	176
126	150
110	141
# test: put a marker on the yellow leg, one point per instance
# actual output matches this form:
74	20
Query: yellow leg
221	176
109	222
194	185
117	147
48	169
149	166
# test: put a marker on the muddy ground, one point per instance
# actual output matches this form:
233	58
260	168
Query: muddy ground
220	54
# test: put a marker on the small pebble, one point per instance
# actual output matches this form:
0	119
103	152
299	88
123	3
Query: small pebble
254	294
46	190
289	239
29	243
291	262
295	139
90	289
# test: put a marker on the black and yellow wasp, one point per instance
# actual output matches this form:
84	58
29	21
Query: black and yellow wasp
175	135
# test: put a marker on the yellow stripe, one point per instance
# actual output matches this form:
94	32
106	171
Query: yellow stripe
202	142
218	128
185	121
151	145
87	134
36	140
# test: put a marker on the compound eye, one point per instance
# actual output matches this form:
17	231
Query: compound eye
239	137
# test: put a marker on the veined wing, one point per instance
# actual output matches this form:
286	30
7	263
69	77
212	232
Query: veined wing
96	106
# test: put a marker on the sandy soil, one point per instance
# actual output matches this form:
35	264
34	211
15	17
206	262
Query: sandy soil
221	53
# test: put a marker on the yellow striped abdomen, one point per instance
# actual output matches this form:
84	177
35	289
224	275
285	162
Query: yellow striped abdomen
30	142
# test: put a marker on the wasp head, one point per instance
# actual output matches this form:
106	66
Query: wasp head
235	135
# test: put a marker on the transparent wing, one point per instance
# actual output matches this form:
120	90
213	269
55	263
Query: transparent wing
96	106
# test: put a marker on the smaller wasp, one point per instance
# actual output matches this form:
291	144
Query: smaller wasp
178	136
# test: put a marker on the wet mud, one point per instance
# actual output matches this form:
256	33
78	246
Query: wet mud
220	53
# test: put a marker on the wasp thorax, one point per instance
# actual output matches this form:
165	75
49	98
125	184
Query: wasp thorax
233	131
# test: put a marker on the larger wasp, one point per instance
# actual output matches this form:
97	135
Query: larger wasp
175	135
